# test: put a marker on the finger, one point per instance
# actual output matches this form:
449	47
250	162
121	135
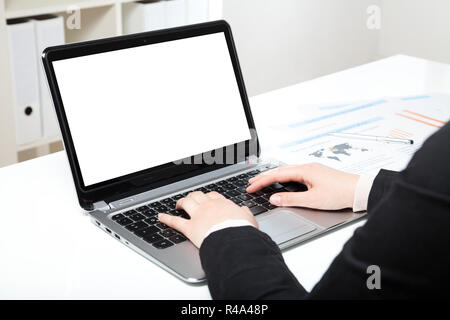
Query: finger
293	199
174	222
214	195
187	204
197	196
283	174
272	171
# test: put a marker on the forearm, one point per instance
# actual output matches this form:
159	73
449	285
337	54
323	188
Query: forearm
244	263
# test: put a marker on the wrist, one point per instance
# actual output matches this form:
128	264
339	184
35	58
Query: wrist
227	224
361	194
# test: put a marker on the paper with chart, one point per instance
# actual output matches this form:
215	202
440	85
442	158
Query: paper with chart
304	138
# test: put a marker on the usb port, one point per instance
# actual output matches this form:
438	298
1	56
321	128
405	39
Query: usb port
117	236
107	230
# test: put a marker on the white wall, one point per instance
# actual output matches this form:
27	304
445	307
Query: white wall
282	42
416	27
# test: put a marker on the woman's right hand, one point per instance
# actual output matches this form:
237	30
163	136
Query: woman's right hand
328	189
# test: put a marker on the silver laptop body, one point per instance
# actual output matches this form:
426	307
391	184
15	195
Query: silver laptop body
107	194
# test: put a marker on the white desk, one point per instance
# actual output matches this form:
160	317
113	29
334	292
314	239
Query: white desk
49	248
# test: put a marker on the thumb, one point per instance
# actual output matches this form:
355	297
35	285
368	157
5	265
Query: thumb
292	199
174	222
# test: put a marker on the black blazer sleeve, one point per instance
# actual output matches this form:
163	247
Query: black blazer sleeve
382	183
244	263
406	235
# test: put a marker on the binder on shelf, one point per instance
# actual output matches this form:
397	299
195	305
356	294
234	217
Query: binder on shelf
21	35
143	16
49	31
197	11
175	13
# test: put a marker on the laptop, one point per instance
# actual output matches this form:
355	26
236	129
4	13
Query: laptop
146	119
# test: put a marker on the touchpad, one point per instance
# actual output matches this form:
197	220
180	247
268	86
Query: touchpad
283	225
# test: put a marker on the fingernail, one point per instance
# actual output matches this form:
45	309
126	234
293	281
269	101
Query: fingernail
160	215
275	200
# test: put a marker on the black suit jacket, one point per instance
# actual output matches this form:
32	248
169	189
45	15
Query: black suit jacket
407	234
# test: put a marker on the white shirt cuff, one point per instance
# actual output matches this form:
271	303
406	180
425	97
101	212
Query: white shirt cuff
227	224
362	192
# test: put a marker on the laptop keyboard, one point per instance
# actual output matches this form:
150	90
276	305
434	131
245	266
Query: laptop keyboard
143	221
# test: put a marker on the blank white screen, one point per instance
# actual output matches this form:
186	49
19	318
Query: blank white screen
137	108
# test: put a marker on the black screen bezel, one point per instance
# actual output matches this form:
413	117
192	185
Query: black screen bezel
150	178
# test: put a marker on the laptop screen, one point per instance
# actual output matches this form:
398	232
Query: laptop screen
133	109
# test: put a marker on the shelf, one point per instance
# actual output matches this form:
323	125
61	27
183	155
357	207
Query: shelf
38	143
27	8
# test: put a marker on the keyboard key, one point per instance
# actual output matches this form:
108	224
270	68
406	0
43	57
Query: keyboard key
229	186
177	212
253	173
151	220
162	226
185	215
137	217
211	186
295	187
232	193
242	189
218	189
160	209
240	183
248	203
266	196
277	186
154	204
221	183
149	213
267	190
257	210
163	244
232	179
153	238
269	206
168	233
245	197
202	189
143	208
236	200
146	231
130	212
260	200
170	206
124	221
169	203
136	226
177	197
118	216
177	238
243	176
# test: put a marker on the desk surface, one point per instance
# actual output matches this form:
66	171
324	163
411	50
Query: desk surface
49	248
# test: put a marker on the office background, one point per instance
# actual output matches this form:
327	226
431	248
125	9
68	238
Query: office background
279	42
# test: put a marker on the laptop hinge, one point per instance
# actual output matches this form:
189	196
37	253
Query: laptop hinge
184	184
101	206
